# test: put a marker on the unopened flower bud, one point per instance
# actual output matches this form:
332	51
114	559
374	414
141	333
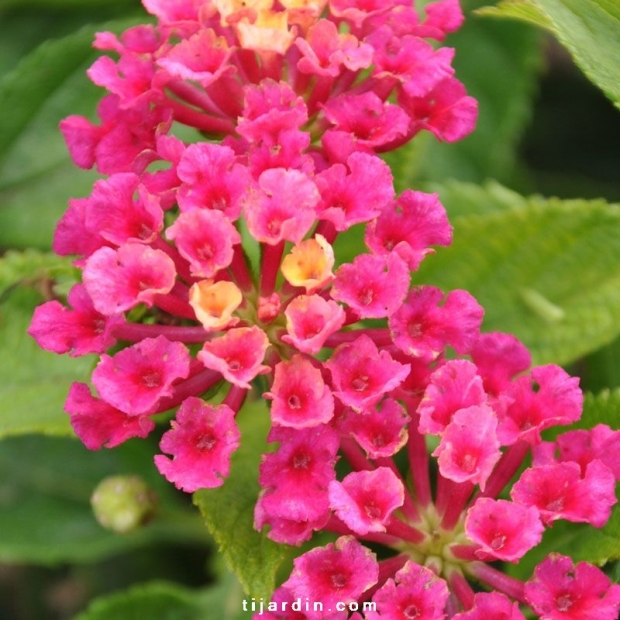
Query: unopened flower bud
123	503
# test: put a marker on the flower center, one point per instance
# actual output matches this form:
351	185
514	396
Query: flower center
359	384
564	602
294	402
205	442
411	611
151	379
339	580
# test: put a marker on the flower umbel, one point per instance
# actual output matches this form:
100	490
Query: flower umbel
209	272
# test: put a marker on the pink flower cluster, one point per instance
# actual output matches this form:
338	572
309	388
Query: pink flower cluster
288	104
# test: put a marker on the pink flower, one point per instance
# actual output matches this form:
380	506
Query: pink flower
79	331
469	448
97	423
373	286
137	378
561	591
491	605
409	226
117	280
362	374
238	354
504	530
201	441
365	500
340	572
415	592
300	397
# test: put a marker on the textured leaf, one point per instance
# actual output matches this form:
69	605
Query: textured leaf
229	510
45	514
168	601
36	174
498	63
546	270
589	29
34	384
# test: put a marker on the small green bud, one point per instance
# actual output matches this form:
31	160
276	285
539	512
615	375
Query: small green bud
123	503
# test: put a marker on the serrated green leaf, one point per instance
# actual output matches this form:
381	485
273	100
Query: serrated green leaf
589	29
169	601
547	271
37	176
499	65
34	385
45	514
229	510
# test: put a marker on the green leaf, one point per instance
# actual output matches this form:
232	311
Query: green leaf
545	270
229	510
589	29
499	64
169	601
45	514
37	176
34	385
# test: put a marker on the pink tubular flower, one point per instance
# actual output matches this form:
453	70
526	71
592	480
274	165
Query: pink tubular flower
491	605
338	573
373	286
380	432
409	226
362	374
205	238
469	448
118	280
422	328
78	331
559	492
238	355
201	441
365	500
97	424
561	591
282	208
241	144
310	320
504	530
455	385
137	378
415	592
300	397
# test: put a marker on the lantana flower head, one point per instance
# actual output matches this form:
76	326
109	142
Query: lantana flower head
210	276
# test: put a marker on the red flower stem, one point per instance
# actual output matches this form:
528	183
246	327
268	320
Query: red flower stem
195	97
197	384
134	332
175	306
240	270
499	581
199	120
418	459
336	526
464	552
451	500
235	398
379	335
388	568
400	529
507	467
180	264
452	606
327	230
320	93
270	265
271	65
409	507
353	453
462	589
248	64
